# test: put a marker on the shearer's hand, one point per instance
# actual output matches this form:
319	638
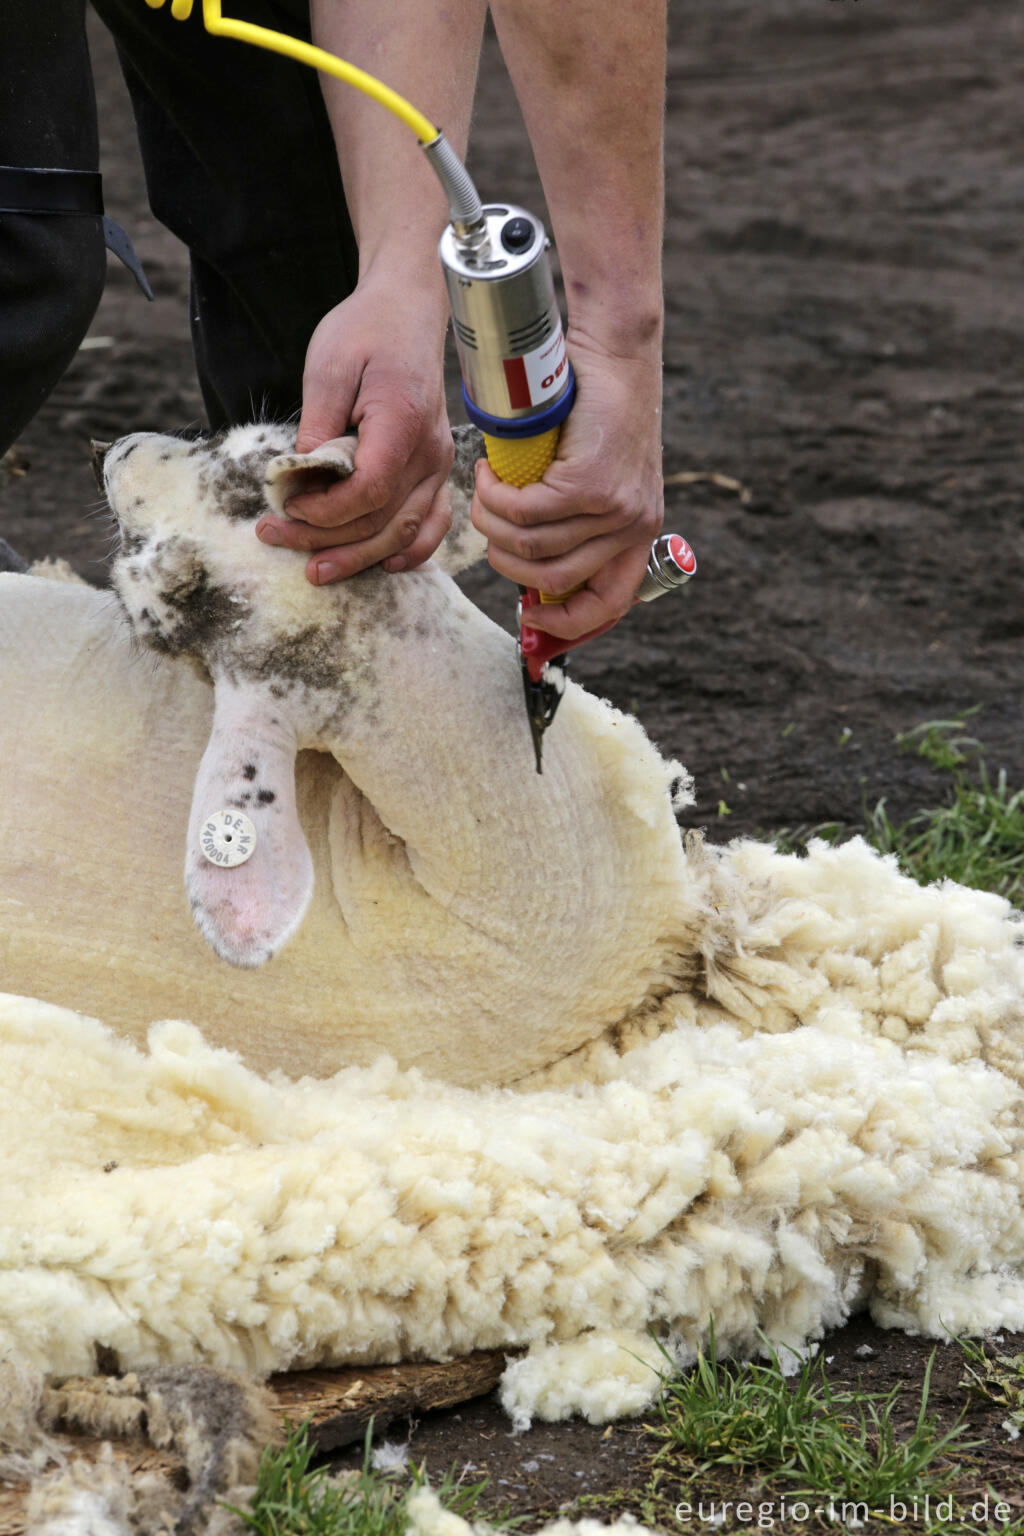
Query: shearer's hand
593	517
374	363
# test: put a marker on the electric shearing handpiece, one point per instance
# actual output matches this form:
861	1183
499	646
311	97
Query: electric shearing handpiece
518	388
517	381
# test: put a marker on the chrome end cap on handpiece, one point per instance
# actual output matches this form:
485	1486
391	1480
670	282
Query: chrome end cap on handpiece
514	242
671	564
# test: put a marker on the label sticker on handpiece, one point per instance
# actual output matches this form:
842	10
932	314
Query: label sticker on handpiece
227	838
538	375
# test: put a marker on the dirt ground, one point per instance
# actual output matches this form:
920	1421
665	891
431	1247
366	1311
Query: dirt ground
603	1472
845	334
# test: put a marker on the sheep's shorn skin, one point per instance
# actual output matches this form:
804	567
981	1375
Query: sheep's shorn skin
737	1084
446	904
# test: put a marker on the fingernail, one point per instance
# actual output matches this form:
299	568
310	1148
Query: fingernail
395	563
326	571
268	533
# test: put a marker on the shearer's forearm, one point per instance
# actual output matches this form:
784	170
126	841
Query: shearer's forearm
428	51
590	79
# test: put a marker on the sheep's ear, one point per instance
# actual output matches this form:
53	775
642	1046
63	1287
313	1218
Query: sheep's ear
292	474
244	804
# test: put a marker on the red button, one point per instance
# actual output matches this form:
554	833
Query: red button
682	554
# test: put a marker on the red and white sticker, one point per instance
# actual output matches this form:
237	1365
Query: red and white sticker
538	375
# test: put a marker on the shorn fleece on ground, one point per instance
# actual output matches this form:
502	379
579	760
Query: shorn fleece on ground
722	1160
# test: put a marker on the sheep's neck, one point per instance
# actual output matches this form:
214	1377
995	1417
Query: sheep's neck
439	742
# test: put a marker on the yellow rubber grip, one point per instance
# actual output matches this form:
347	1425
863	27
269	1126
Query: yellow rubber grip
520	461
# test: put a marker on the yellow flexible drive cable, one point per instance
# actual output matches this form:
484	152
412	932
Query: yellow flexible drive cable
305	53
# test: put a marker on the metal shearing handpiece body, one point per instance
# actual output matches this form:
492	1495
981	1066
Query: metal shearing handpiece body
517	381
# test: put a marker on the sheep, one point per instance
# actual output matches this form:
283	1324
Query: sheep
415	887
591	1081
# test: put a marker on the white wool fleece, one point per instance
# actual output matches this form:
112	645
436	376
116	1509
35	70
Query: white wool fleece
177	1206
428	1517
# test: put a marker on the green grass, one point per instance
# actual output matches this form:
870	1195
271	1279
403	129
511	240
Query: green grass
742	1443
803	1433
976	837
997	1379
294	1498
742	1416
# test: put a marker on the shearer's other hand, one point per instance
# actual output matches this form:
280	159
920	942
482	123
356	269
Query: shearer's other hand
373	363
591	520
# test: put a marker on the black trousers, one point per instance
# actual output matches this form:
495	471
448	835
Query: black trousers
240	164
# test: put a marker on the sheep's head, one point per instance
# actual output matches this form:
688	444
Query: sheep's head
288	659
191	576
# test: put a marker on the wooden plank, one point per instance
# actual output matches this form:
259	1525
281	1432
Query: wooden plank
341	1403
